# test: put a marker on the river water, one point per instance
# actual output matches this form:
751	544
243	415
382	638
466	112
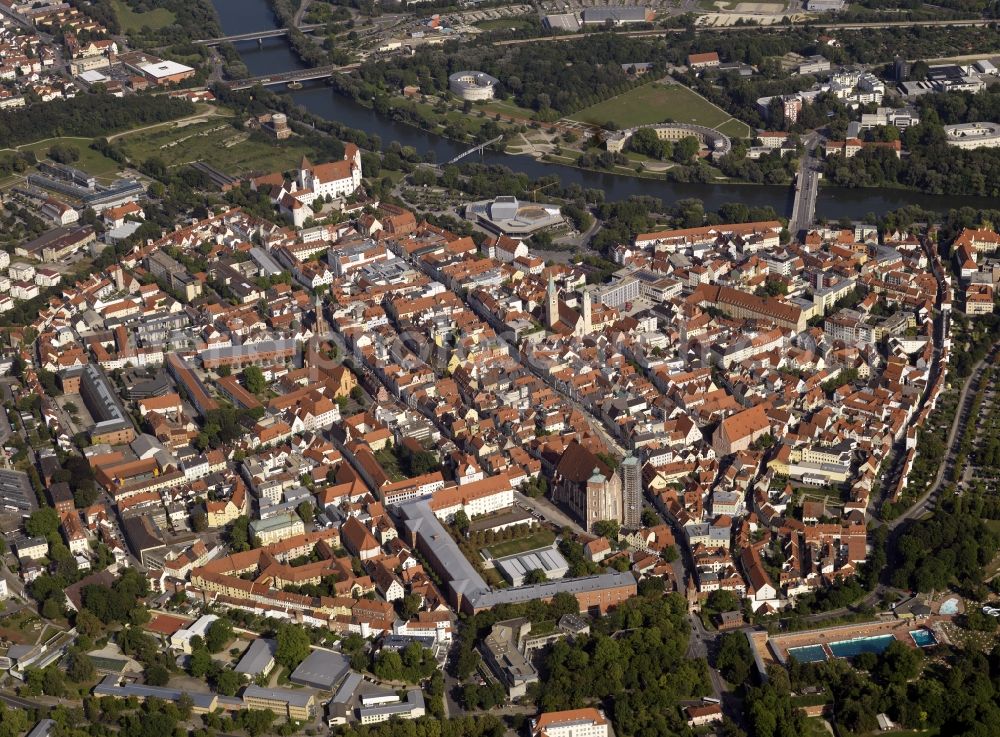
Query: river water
274	55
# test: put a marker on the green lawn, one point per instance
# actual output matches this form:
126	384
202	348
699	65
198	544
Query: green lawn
90	160
505	107
541	538
734	128
654	103
131	21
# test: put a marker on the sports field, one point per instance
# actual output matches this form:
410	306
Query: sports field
132	21
655	103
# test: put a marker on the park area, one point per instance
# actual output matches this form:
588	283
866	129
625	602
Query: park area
132	21
658	102
540	538
215	142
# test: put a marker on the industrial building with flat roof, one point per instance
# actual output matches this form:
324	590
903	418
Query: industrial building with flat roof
517	567
321	670
617	16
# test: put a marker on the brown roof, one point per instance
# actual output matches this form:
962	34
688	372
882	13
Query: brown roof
578	464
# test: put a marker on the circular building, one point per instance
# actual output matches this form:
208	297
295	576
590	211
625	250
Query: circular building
973	135
718	144
473	85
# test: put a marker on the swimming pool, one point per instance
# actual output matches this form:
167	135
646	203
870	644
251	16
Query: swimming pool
808	653
851	648
923	638
949	607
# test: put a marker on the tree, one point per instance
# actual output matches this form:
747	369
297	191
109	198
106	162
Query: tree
199	663
157	675
255	721
254	380
389	666
685	149
52	608
461	521
723	601
239	534
409	605
536	575
899	663
292	645
607	528
53	682
87	624
734	658
218	635
306	511
228	682
79	666
13	721
199	520
43	522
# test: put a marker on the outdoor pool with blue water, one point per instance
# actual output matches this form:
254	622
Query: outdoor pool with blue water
923	638
808	653
859	645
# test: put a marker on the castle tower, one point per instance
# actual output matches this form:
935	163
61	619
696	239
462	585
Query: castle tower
588	323
551	305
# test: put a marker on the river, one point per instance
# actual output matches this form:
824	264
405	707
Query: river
274	55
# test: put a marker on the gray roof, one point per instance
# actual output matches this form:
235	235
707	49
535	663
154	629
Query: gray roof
619	15
257	657
414	700
322	669
548	589
16	494
43	728
109	687
346	691
265	261
287	695
461	575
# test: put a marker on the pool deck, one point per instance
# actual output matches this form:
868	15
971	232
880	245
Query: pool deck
775	649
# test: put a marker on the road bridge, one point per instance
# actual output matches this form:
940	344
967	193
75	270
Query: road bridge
256	35
302	75
806	190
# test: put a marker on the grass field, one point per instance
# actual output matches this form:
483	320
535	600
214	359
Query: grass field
215	142
541	538
505	107
131	21
734	128
90	160
654	103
